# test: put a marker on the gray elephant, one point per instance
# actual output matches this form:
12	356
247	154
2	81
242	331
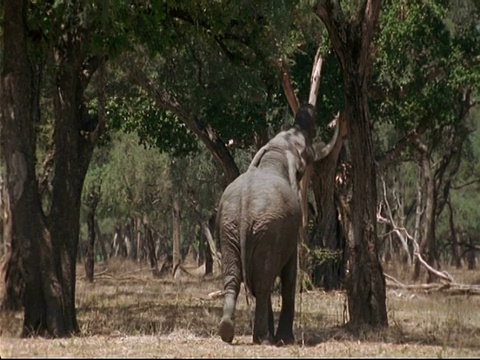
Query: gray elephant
258	223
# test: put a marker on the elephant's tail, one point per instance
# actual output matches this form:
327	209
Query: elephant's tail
243	253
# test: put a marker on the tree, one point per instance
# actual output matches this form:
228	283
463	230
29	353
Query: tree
18	150
351	35
45	226
425	78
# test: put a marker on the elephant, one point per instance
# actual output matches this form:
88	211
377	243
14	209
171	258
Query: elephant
258	224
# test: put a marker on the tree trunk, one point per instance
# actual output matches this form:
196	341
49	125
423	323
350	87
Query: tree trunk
212	255
471	260
128	237
18	150
175	233
204	253
151	256
329	270
351	40
48	240
90	251
73	151
12	268
456	257
92	201
365	282
101	242
139	240
427	243
25	228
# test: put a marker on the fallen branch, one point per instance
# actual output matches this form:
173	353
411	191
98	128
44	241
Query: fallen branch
441	274
216	294
448	287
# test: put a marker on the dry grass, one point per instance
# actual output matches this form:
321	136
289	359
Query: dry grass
127	313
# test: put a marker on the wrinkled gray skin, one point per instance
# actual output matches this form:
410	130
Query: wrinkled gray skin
258	222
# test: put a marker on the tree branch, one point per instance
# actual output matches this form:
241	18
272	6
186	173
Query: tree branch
315	79
204	132
292	99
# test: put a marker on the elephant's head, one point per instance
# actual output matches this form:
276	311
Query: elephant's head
294	148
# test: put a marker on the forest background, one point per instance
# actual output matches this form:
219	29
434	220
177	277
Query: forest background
169	101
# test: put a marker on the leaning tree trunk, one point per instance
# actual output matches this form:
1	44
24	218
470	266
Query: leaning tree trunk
351	40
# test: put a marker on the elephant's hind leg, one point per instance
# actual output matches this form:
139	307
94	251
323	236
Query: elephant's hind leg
232	277
226	329
263	321
284	335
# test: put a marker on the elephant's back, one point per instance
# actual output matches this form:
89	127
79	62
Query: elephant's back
272	193
266	203
258	192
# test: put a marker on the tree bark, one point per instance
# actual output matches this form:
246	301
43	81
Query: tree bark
26	232
329	270
18	150
73	148
351	40
427	241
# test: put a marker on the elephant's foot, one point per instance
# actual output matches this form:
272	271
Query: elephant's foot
226	330
284	339
282	342
264	340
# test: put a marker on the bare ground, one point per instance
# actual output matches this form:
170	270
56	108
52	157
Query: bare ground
127	313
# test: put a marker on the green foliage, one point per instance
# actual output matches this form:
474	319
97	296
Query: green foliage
465	194
220	60
424	75
132	180
424	65
153	125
